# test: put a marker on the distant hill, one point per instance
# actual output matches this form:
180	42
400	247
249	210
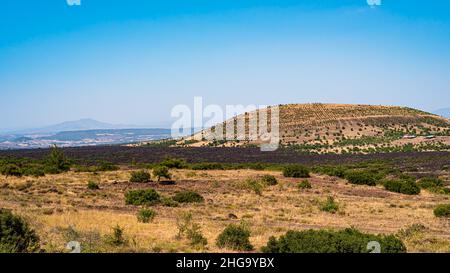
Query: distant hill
76	125
83	138
445	112
340	128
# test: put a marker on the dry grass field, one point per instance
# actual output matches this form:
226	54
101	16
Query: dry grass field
61	208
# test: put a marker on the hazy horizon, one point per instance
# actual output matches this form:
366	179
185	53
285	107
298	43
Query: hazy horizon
129	62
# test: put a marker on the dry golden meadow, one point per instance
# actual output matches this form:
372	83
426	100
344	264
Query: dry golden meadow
61	208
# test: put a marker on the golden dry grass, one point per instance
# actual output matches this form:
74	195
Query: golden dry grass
56	202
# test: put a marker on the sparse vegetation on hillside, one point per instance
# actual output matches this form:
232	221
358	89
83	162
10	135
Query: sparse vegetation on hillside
227	198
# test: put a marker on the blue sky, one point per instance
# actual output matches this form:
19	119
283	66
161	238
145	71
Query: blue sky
132	61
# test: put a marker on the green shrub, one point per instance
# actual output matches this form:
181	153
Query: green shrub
330	205
337	171
304	185
430	182
254	186
402	186
140	177
188	197
92	185
33	171
161	172
191	230
168	202
106	166
361	178
235	237
147	197
442	210
15	235
11	170
269	180
174	163
322	241
146	215
296	171
207	166
440	190
116	238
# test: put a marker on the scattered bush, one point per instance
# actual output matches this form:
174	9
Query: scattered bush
191	230
361	178
146	215
404	186
188	197
106	166
11	170
33	171
140	177
207	166
56	162
92	185
116	238
236	237
254	186
15	235
337	171
296	171
442	210
430	182
304	185
147	197
330	205
161	172
269	180
440	190
321	241
168	202
174	163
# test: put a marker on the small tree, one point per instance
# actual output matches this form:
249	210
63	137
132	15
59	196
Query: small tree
56	161
161	172
235	237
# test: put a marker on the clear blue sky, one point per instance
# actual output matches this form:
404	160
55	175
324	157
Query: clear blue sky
132	61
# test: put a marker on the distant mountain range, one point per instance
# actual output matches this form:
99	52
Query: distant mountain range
84	132
77	125
445	112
